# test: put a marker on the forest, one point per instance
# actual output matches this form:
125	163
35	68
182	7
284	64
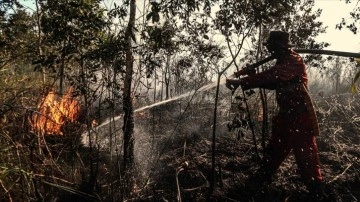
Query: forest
124	100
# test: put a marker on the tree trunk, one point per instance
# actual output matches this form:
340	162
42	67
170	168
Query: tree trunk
337	74
154	85
263	97
162	85
128	127
38	22
62	70
167	76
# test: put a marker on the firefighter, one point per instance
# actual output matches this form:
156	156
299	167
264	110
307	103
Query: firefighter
295	126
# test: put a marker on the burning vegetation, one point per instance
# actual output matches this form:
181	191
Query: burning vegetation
54	112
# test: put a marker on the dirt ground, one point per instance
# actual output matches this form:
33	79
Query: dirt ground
184	169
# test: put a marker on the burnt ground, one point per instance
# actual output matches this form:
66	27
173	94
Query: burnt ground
173	148
183	169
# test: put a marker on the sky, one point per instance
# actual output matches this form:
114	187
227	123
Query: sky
333	12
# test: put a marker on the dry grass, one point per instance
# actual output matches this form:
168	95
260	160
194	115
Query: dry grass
174	143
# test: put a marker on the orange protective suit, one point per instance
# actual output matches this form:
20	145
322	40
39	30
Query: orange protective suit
295	126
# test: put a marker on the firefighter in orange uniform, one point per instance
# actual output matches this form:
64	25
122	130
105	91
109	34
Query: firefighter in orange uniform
295	126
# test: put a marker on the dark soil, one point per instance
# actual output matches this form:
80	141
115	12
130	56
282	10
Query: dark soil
184	170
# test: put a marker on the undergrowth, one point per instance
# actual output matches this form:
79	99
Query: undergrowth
38	168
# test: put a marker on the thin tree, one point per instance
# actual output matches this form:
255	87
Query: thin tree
128	127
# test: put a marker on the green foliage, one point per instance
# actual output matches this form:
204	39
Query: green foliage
71	28
242	15
16	38
301	21
118	11
160	37
9	4
353	26
154	13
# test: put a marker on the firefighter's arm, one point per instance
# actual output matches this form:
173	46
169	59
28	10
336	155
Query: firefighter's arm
245	71
267	79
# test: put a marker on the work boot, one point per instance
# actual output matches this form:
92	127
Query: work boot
317	191
256	181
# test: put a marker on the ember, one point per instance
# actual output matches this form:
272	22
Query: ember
55	112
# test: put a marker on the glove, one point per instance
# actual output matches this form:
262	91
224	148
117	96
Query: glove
232	84
245	71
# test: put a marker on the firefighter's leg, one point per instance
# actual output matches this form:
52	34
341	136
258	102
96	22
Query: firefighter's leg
306	154
276	151
307	159
279	146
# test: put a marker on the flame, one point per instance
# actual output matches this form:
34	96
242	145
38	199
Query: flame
54	112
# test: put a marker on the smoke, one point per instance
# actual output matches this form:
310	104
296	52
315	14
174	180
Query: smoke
163	127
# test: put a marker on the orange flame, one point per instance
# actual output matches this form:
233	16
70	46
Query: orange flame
54	112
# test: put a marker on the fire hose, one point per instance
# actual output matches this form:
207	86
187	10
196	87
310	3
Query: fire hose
308	51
